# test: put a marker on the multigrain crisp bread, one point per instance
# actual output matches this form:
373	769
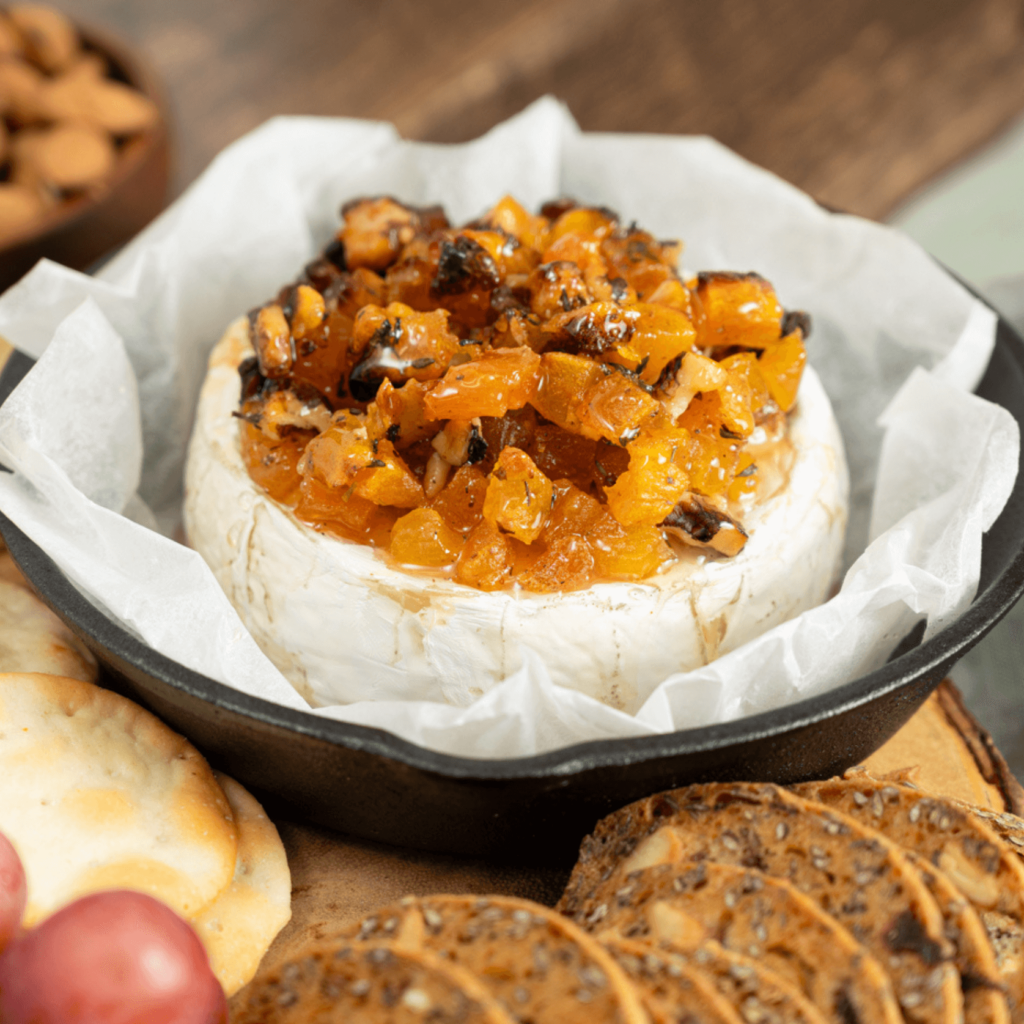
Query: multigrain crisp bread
769	920
540	966
33	639
853	873
238	927
97	793
985	999
368	983
974	858
671	988
755	992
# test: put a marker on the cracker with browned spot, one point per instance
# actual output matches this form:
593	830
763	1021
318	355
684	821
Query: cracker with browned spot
769	920
97	793
368	983
538	964
671	988
238	927
853	873
970	854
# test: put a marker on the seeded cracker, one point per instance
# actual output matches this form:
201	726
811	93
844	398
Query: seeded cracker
368	984
855	874
984	995
758	994
769	920
540	966
969	853
671	988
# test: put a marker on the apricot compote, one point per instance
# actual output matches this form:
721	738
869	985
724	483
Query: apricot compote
537	400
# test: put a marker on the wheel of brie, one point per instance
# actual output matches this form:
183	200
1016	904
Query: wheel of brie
444	447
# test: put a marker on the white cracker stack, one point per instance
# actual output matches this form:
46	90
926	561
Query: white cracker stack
96	793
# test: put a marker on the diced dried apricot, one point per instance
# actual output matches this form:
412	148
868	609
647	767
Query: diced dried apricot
516	327
375	230
272	464
401	343
739	309
509	254
461	501
584	250
614	407
518	496
515	429
627	552
782	366
487	560
557	288
672	293
408	282
659	335
584	220
744	480
403	412
318	504
322	358
422	537
387	480
655	480
747	367
502	379
509	216
563	379
567	563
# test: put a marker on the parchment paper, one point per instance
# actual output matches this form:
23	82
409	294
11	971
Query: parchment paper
96	433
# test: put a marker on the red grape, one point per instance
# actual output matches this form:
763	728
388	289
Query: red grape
12	892
110	958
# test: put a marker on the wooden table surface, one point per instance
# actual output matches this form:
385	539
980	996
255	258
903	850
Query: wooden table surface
859	102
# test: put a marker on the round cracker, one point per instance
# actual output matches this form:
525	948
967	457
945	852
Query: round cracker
96	793
32	638
238	927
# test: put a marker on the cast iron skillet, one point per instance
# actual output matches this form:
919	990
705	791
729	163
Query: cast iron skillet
372	784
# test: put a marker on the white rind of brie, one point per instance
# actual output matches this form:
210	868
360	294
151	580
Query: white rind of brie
344	626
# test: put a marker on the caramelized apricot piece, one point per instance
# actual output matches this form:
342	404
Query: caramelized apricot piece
460	503
422	537
627	552
403	412
499	380
655	480
518	496
563	379
273	465
567	563
782	366
613	407
320	504
601	330
342	458
512	218
375	231
557	288
510	256
740	309
487	560
355	289
583	220
582	249
659	335
322	357
387	480
400	343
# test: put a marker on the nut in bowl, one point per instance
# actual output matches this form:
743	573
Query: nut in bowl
83	142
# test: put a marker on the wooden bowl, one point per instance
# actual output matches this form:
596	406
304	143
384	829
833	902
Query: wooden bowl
82	230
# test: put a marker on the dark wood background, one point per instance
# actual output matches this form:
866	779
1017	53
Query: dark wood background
859	102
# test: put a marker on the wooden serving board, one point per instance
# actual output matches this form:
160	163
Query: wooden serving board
337	879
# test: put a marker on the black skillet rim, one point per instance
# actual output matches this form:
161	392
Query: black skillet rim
985	611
